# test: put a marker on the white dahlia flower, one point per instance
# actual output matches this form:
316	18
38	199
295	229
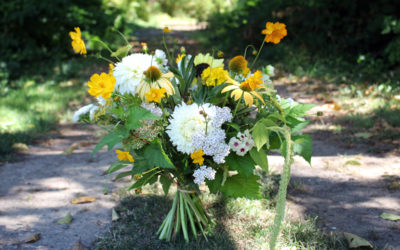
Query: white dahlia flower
185	121
130	72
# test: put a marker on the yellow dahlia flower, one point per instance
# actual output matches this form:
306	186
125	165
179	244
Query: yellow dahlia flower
77	43
215	76
155	79
155	95
166	30
246	89
101	85
274	32
197	157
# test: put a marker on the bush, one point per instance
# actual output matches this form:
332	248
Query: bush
32	31
323	28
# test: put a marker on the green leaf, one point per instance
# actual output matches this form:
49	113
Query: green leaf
166	183
388	216
260	135
156	157
300	109
66	220
122	52
241	186
243	164
303	146
299	126
233	125
123	174
117	165
260	158
137	114
215	185
146	178
140	166
111	140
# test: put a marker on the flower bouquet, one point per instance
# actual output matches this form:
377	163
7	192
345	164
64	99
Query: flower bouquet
190	121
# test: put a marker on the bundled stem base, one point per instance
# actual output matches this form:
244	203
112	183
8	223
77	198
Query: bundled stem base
186	209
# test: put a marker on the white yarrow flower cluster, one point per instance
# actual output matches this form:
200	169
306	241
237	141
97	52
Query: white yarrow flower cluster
91	109
193	127
203	173
129	72
242	143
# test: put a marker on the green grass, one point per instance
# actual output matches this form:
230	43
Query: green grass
239	224
38	104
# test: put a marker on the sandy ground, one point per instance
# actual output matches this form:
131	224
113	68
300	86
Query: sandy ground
37	190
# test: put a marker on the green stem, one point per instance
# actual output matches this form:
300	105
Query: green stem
237	105
258	54
285	178
166	48
126	40
106	46
245	50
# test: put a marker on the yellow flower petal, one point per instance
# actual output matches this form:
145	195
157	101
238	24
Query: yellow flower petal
248	99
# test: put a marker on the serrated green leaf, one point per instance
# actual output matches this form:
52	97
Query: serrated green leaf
166	183
300	109
303	146
215	185
241	186
260	135
243	164
117	165
137	114
156	157
146	178
299	126
111	140
260	158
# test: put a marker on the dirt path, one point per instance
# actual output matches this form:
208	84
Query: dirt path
346	187
37	190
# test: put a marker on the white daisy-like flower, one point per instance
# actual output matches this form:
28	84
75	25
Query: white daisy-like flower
129	72
185	121
91	109
203	173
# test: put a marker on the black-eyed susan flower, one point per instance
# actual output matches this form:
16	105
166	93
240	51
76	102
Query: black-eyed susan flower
201	62
101	85
77	43
246	89
124	155
197	157
155	95
274	32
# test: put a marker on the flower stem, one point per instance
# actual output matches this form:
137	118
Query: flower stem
258	54
237	105
245	50
166	48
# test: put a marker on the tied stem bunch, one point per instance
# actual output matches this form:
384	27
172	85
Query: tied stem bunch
189	121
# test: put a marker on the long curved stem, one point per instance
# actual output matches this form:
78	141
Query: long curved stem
258	54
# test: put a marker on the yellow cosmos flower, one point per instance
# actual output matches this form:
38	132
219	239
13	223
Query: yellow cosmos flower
179	58
155	95
215	76
238	64
274	32
77	43
124	155
101	85
197	157
154	78
166	30
246	89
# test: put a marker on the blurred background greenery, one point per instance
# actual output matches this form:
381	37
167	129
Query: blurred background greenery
356	43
